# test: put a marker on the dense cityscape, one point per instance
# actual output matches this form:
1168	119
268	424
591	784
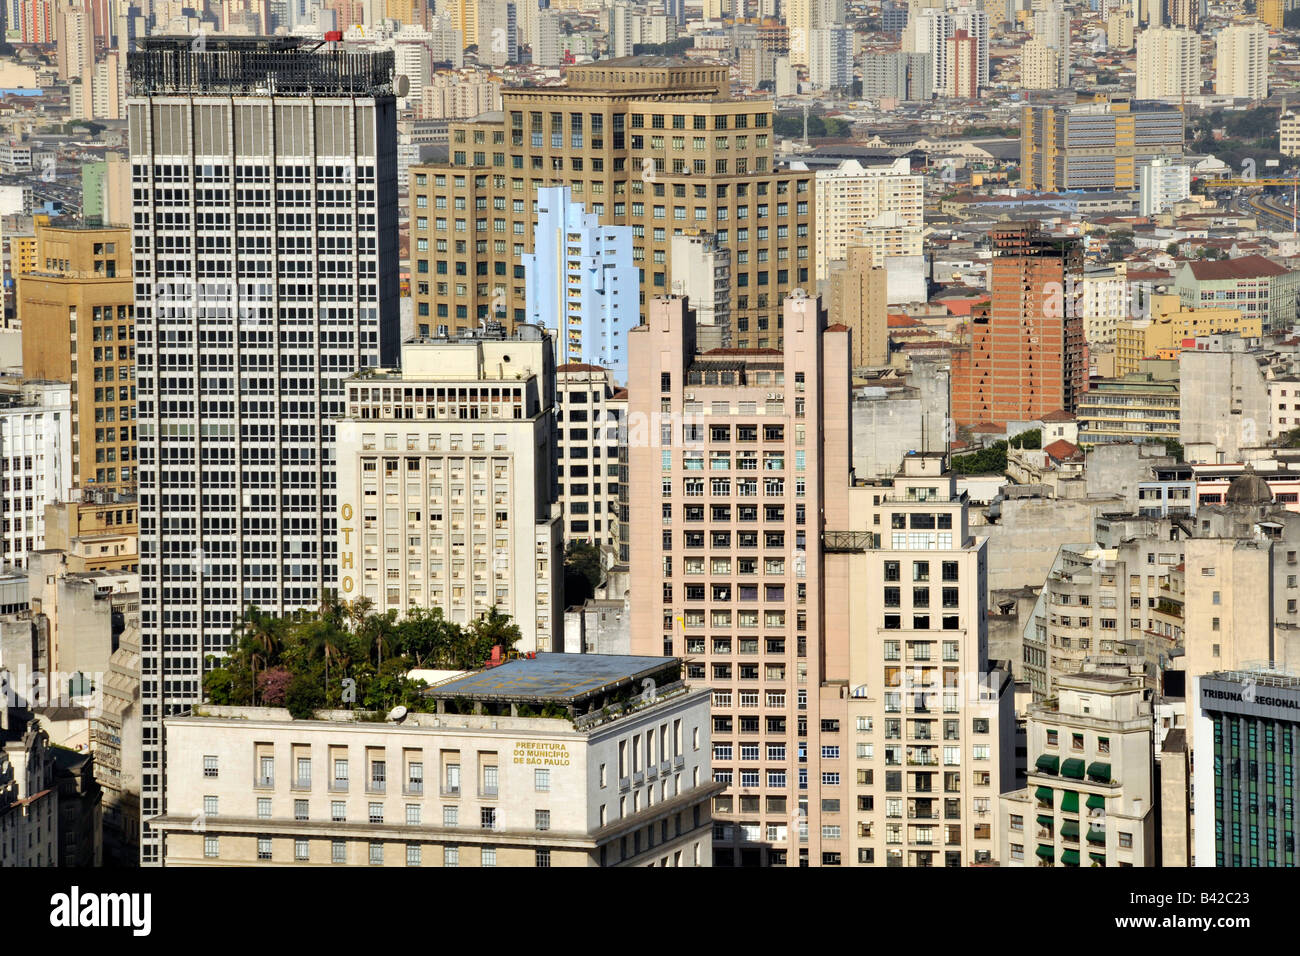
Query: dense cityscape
425	342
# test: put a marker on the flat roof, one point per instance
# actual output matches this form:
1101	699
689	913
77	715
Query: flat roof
558	677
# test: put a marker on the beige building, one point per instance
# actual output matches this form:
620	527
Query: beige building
859	290
700	270
29	802
648	142
746	452
931	715
447	483
879	207
1161	333
591	415
1168	63
76	305
1289	133
1241	61
97	532
1229	603
1091	794
1040	65
617	774
1119	30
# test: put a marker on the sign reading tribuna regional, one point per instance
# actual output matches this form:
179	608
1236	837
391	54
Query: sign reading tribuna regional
537	753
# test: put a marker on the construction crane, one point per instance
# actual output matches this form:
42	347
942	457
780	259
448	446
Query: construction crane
1293	182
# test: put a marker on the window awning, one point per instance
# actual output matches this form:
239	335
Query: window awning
1070	829
1073	768
1048	763
1096	836
1098	858
1070	857
1099	771
1070	801
1096	802
1044	793
1046	821
1046	852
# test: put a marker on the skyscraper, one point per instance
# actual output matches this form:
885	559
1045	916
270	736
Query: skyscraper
1168	63
261	219
1241	61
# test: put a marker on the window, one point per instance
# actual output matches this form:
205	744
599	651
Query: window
412	854
376	813
301	850
543	819
542	780
543	858
451	856
489	856
209	766
263	808
488	818
338	851
449	816
376	854
338	811
211	848
264	848
209	806
412	814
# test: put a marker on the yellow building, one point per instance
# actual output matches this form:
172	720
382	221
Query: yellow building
1060	146
1271	12
1161	335
76	304
98	533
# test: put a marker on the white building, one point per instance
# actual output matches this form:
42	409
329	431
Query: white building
1163	182
700	270
1090	799
1052	27
929	32
1039	66
35	463
1168	63
1241	61
461	441
830	54
882	207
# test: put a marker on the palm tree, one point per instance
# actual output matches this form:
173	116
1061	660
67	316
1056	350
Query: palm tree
262	631
358	611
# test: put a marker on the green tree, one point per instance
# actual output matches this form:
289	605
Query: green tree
1028	439
582	572
990	460
1174	449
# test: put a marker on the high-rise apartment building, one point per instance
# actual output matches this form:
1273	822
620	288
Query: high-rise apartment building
1161	183
930	31
1289	133
1052	27
261	219
963	66
1119	31
858	299
647	142
1168	63
930	715
1183	13
701	272
1241	61
1039	66
1099	145
35	463
745	454
498	33
898	75
77	307
591	424
580	283
464	17
830	55
1091	796
446	481
1273	13
879	207
1024	356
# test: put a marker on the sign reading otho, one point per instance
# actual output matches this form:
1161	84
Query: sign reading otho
538	753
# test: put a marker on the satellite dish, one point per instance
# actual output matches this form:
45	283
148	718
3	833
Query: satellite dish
397	713
401	85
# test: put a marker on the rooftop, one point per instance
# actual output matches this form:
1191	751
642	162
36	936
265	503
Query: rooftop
558	678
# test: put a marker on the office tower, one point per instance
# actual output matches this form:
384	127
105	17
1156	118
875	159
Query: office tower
929	32
929	716
700	271
858	300
1099	145
78	313
1245	731
830	57
893	17
591	416
1025	356
1052	26
1040	66
1241	62
898	75
736	543
498	33
258	291
1168	63
36	464
547	50
468	451
676	10
881	207
1162	183
1090	799
580	283
658	146
108	91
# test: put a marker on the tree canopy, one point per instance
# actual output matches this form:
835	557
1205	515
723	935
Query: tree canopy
340	655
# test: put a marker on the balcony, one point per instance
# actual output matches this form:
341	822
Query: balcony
339	785
413	788
264	783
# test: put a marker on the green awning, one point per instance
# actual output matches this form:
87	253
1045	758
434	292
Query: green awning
1048	763
1044	793
1099	771
1070	801
1046	852
1098	858
1046	821
1073	768
1070	828
1070	857
1096	802
1096	836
